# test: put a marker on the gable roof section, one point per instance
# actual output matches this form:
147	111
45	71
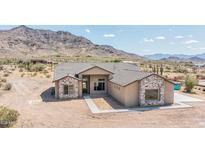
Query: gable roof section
125	77
160	77
63	70
96	67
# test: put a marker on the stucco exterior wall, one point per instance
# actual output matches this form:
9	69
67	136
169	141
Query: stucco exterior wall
93	79
94	71
132	94
68	81
152	82
117	92
169	93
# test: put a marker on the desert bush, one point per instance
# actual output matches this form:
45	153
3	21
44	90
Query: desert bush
1	68
5	74
37	67
21	70
34	74
48	76
8	117
116	60
45	71
3	80
7	86
22	75
190	82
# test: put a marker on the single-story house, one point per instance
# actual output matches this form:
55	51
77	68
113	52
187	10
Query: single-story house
125	82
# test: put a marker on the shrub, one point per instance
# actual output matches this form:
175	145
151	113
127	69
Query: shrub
22	75
3	80
116	60
7	86
21	70
34	74
48	76
8	117
6	75
190	82
37	67
45	71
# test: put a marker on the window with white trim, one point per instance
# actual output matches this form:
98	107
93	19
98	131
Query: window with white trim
99	85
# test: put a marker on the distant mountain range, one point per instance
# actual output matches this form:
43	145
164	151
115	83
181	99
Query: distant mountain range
198	58
23	41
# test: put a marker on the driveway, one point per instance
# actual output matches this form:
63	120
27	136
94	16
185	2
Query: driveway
183	98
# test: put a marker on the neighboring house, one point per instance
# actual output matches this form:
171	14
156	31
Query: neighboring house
124	82
200	87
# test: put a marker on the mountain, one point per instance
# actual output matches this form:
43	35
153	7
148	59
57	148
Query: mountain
160	56
24	41
198	58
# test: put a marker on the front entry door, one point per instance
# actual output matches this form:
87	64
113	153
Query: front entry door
86	85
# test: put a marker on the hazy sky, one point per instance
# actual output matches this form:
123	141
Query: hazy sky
141	40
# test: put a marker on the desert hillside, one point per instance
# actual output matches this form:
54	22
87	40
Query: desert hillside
24	41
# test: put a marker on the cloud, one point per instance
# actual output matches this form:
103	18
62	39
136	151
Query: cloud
195	48
171	43
190	35
191	41
160	38
109	35
87	30
189	47
148	40
179	37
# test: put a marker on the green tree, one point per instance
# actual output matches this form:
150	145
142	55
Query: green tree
190	82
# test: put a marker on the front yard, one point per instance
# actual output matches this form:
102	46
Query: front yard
26	97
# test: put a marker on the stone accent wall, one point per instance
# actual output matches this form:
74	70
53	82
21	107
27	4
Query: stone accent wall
152	82
68	81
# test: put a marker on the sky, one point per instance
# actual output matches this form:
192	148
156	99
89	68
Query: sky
141	40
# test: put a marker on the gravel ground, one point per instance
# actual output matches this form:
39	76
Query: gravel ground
27	94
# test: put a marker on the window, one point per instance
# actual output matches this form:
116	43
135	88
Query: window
152	94
65	89
68	89
99	85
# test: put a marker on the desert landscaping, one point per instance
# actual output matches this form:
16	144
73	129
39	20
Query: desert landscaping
27	61
31	96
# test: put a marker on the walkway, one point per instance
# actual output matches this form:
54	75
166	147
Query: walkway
95	109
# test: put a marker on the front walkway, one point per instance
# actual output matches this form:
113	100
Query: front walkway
94	109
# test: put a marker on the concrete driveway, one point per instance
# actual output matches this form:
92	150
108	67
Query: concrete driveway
183	98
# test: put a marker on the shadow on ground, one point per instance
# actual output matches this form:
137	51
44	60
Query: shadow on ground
46	95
